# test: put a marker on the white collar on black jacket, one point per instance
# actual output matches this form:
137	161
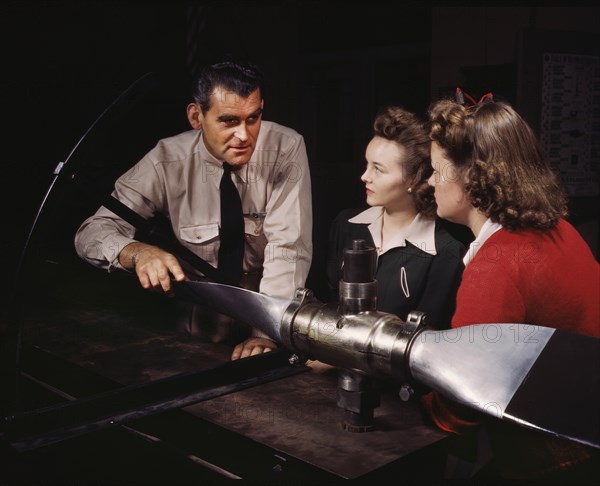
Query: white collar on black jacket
420	233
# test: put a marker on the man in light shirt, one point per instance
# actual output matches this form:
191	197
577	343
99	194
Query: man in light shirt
180	179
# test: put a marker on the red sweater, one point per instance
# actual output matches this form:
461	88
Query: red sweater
545	278
549	279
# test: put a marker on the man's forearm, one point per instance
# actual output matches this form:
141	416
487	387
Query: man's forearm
129	254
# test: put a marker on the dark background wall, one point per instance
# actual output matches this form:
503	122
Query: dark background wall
330	66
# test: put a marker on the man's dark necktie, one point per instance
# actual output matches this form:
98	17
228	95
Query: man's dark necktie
231	251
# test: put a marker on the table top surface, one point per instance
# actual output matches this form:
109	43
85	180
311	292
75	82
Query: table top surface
296	415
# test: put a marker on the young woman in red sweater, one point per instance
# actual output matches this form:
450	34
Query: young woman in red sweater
526	265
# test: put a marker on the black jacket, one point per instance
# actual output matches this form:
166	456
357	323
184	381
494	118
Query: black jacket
430	281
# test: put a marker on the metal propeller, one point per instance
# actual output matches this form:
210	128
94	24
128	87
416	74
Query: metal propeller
252	308
538	377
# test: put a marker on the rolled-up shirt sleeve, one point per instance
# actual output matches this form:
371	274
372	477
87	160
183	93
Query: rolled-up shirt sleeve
101	237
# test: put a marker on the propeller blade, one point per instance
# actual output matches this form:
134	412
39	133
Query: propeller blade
538	377
257	310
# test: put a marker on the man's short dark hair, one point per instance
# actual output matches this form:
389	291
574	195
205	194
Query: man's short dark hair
242	78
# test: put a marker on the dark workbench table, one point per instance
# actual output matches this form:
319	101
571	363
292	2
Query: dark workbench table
296	416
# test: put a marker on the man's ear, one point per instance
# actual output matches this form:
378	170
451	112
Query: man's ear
194	115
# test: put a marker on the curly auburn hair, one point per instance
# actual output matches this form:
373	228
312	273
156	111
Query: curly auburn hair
396	124
509	179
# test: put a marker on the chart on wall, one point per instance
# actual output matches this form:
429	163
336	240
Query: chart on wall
570	120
